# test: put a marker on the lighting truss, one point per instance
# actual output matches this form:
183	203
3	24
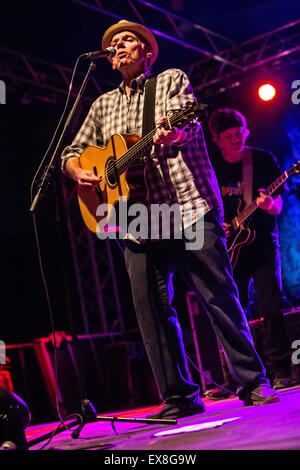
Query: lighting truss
272	50
37	80
165	24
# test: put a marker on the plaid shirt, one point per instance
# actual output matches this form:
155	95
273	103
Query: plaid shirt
174	173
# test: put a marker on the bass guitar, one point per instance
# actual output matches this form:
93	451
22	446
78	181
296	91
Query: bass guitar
240	230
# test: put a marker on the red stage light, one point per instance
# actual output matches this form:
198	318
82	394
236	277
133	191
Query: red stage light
266	92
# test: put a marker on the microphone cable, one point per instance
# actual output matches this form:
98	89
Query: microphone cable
209	378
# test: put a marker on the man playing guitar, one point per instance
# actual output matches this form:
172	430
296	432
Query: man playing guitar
177	172
256	249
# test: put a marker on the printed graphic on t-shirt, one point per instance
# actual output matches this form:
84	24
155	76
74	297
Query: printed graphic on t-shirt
233	189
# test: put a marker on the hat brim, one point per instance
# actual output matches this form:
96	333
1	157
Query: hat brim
124	25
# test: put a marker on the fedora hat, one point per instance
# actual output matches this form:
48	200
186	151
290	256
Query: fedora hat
125	25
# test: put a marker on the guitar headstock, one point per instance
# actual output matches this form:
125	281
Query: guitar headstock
182	116
294	169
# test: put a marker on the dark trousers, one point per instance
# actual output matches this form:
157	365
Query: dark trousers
264	266
208	272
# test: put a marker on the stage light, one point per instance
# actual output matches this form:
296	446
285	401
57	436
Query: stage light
266	92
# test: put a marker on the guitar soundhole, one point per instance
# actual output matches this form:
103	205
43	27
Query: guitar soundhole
111	172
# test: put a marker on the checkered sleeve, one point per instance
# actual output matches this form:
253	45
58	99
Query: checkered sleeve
180	94
88	134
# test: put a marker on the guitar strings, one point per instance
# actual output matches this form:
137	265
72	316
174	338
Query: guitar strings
149	136
127	155
244	214
134	150
142	143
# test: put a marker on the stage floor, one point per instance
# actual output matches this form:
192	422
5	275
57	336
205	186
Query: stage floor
225	425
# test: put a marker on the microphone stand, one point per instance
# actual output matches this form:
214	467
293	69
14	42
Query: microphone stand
49	168
88	412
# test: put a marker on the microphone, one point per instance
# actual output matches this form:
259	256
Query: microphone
108	52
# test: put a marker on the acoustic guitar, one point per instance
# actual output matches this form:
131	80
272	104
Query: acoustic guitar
112	162
241	233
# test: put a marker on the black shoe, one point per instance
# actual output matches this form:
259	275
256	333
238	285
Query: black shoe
261	395
176	409
281	382
218	394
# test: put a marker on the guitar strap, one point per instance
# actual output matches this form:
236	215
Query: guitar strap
149	106
247	175
135	173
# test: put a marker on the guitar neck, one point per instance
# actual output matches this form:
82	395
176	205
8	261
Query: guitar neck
248	210
180	118
137	151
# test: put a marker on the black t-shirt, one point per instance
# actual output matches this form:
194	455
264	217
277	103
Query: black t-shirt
265	171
